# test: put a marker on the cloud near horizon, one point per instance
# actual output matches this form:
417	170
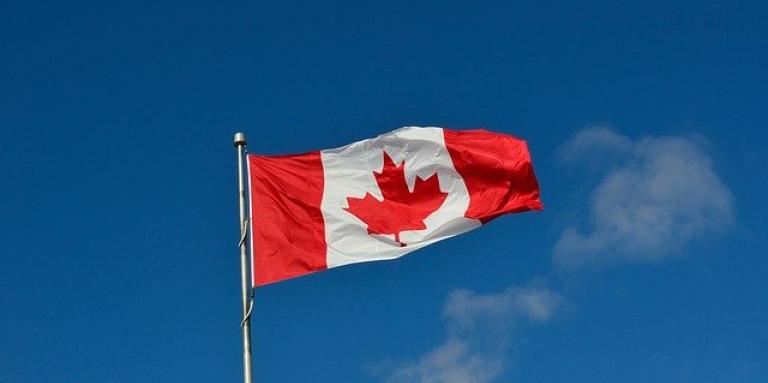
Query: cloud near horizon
478	332
658	195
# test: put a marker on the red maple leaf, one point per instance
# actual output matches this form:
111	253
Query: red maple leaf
401	208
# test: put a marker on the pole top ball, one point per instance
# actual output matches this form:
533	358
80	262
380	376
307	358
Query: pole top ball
239	138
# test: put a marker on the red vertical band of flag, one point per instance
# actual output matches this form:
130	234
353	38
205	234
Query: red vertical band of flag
497	170
286	193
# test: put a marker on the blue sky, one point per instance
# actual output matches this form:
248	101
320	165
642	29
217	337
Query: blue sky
118	220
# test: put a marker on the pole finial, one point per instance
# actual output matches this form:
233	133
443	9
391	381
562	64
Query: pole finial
239	138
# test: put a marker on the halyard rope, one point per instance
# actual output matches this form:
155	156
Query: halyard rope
244	233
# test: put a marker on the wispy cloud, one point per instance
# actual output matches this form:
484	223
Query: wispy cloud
478	331
659	194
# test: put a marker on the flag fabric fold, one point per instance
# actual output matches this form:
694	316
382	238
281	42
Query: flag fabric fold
381	198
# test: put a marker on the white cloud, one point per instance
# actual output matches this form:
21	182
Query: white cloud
596	145
659	194
478	330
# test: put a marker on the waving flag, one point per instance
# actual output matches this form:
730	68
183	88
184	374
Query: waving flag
381	198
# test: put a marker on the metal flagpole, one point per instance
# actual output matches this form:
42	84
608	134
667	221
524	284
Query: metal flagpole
246	322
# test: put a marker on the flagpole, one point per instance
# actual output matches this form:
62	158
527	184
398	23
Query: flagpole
244	286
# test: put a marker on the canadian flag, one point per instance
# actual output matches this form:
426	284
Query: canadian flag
381	198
